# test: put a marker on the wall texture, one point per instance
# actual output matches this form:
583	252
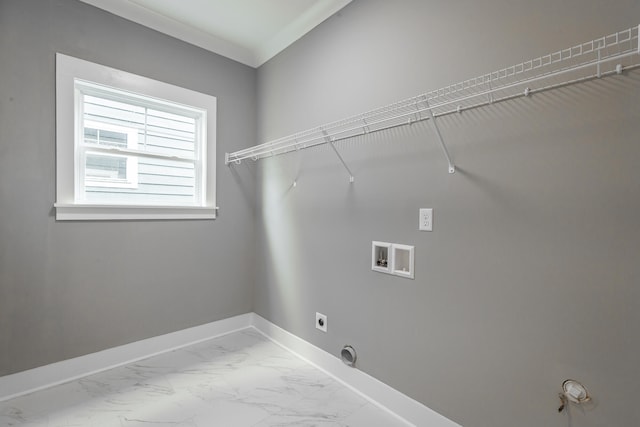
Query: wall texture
71	288
531	274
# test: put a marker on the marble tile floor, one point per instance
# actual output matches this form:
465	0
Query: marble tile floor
237	380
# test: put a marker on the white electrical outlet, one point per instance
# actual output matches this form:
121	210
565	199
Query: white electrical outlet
426	219
321	322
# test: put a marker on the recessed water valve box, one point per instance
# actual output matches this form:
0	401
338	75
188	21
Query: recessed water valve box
392	258
380	257
403	260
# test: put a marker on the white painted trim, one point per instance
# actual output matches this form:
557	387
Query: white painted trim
156	21
62	372
306	22
77	212
396	403
68	69
251	57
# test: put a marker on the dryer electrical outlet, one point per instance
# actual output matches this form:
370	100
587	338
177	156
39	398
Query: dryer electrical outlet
426	219
321	322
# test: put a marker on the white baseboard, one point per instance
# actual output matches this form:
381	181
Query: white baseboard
377	392
26	382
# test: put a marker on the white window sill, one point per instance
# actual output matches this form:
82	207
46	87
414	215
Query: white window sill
77	212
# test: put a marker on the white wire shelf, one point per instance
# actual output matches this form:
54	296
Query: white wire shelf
594	59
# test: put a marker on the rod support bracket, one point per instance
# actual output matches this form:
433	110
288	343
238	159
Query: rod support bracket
331	143
436	129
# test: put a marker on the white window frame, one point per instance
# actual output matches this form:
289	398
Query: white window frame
69	205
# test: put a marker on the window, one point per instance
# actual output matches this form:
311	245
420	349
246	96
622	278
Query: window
129	147
107	169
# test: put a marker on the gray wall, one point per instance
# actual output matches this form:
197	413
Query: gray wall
531	274
66	288
529	277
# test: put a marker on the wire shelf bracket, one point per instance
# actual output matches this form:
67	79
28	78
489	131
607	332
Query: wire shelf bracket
335	150
436	129
598	58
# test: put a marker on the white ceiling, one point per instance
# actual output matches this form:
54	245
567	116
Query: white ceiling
248	31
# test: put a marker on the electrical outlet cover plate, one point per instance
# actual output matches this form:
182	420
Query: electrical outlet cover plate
321	322
426	219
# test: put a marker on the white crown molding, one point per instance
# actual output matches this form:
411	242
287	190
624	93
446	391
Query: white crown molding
156	21
306	22
253	58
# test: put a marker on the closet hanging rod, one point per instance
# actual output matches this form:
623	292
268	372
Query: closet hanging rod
510	82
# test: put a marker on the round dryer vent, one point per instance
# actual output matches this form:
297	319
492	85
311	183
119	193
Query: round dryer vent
348	355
